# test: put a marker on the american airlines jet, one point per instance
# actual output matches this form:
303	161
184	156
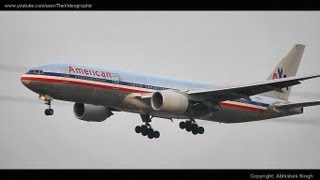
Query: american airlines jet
99	92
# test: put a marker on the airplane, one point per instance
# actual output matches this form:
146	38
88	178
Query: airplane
98	92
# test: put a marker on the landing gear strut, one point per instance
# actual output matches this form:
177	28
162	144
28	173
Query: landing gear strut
191	126
47	99
147	130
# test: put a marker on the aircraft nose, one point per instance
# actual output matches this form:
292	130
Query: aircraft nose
24	80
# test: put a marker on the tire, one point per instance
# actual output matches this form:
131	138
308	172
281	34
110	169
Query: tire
156	134
144	133
149	131
144	130
201	130
150	135
194	127
189	128
182	125
138	129
46	112
50	112
195	131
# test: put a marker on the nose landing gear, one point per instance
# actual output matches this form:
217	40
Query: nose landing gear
49	111
191	126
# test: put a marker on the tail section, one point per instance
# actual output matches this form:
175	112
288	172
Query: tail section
287	67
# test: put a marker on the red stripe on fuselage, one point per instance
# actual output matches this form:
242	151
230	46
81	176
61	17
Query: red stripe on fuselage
82	83
240	106
226	104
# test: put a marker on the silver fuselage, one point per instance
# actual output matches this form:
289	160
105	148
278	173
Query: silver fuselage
111	88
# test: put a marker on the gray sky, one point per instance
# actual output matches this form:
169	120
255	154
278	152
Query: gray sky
221	48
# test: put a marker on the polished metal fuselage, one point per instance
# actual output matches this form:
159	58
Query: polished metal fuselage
121	90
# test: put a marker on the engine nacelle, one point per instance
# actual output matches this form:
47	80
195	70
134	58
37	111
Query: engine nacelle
169	101
88	112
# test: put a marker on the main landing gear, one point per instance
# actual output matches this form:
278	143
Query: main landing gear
147	130
191	126
47	99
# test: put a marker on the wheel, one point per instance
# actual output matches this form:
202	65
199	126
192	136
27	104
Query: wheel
144	130
182	125
187	123
194	127
195	131
201	130
50	112
150	135
149	131
188	126
156	134
138	129
47	112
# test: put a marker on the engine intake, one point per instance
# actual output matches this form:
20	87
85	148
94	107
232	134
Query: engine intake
169	101
88	112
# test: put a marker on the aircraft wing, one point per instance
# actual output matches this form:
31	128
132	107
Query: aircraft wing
296	105
244	91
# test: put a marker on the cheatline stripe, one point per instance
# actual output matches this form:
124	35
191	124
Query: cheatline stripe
104	85
84	82
242	106
80	82
103	80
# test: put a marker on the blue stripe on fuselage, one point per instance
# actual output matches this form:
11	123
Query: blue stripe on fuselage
130	84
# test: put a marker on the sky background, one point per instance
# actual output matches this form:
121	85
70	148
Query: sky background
221	48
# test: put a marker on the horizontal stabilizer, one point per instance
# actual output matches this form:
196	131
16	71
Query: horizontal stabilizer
297	105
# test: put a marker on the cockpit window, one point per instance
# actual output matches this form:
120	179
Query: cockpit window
36	71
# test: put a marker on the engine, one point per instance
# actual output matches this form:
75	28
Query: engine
169	101
88	112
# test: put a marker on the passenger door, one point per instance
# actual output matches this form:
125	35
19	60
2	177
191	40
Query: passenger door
115	80
65	77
